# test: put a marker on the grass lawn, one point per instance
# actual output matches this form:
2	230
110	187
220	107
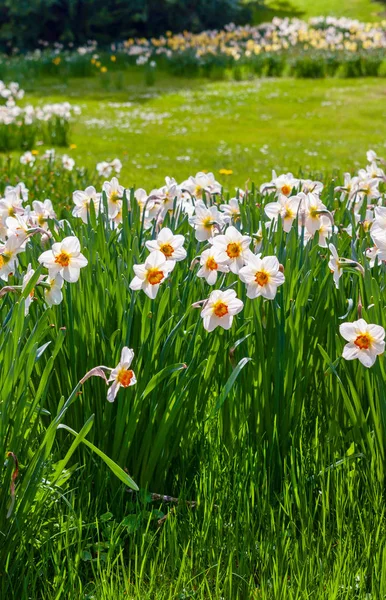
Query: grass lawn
364	10
179	127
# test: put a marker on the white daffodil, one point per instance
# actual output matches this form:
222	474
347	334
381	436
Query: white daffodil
64	258
220	309
378	226
8	256
233	248
27	158
284	184
324	232
31	295
312	209
150	275
68	163
231	211
104	169
82	201
211	265
11	205
114	193
262	276
286	208
42	211
122	375
366	341
202	185
169	244
53	290
379	250
206	221
116	165
335	265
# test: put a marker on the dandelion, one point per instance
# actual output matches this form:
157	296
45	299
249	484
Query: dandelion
262	276
122	375
220	309
366	341
150	275
64	258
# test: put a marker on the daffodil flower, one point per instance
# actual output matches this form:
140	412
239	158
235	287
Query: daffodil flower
150	275
220	309
233	248
365	341
64	258
211	265
169	244
262	276
122	375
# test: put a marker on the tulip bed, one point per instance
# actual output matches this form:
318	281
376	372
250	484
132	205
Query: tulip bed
192	386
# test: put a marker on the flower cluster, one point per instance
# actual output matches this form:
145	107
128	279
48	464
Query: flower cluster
225	255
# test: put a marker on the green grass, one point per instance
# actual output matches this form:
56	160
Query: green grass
363	10
182	126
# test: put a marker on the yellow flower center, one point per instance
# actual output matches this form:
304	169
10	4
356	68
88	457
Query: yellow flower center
314	212
124	377
364	341
286	189
289	213
4	259
220	309
197	191
11	211
261	278
207	223
154	276
211	264
167	250
233	250
63	259
41	220
114	197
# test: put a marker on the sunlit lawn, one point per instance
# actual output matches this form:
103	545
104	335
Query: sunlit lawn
179	127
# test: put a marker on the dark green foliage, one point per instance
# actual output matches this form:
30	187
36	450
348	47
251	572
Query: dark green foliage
23	23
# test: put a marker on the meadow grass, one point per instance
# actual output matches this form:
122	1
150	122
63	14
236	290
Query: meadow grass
363	10
181	126
277	441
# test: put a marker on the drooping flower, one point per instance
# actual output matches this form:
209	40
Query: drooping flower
150	275
262	276
31	295
366	341
122	375
64	258
335	265
220	309
53	290
211	265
